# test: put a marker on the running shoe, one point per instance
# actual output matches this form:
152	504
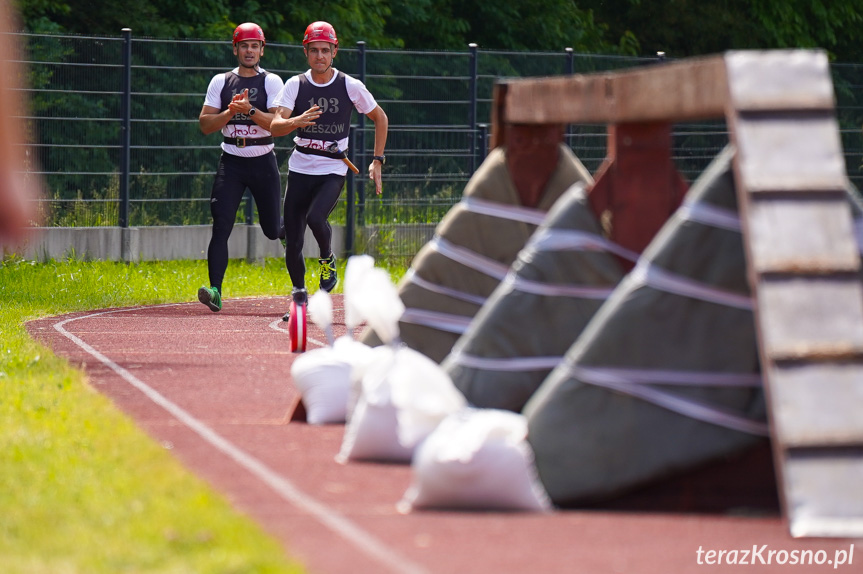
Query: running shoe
329	276
300	297
211	298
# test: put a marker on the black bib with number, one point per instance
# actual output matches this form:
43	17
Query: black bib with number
336	108
235	84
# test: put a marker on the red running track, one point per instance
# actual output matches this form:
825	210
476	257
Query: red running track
215	388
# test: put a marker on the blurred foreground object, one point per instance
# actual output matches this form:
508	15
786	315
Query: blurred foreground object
18	192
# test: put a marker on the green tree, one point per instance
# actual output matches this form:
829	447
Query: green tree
684	28
417	24
155	18
549	25
208	19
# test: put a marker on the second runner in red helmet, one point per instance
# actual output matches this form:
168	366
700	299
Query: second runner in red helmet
317	106
240	104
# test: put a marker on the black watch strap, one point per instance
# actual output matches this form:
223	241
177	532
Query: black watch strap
380	158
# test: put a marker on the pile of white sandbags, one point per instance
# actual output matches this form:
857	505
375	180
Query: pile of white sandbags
403	407
403	394
325	377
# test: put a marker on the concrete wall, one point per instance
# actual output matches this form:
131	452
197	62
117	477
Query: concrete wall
164	243
154	243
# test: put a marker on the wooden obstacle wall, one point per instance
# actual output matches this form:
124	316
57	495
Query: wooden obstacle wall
802	258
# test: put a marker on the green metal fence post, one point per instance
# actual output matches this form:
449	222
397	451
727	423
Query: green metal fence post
361	140
474	73
351	197
125	144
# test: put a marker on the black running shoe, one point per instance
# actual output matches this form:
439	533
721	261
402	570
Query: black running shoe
300	297
329	276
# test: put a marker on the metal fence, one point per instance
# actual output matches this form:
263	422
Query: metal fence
116	118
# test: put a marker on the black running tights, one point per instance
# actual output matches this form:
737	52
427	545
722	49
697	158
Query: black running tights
235	174
309	200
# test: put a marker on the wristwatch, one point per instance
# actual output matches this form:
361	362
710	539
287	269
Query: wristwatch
252	112
380	158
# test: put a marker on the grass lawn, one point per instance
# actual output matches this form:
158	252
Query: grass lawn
82	489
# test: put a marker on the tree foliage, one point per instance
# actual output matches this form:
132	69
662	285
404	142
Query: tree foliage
681	28
416	24
684	28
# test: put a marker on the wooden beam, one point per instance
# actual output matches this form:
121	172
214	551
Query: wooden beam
687	90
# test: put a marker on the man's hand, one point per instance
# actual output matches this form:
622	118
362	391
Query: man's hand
283	123
240	103
308	117
375	175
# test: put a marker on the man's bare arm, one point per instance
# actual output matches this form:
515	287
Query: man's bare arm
212	120
382	123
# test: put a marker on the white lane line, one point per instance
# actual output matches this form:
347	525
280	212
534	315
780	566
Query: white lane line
362	540
277	326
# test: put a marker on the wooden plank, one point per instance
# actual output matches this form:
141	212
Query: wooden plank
774	154
810	317
677	91
802	234
692	89
772	80
817	404
825	487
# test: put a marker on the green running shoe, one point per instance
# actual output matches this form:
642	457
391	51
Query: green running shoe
211	298
329	276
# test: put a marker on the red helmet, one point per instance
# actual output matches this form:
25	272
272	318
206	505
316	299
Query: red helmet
320	32
249	31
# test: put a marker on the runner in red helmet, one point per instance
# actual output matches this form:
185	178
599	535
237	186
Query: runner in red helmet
240	104
317	172
320	32
249	31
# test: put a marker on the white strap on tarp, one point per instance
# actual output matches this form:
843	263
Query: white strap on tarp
437	320
636	384
465	257
556	290
573	240
647	274
669	377
505	364
707	214
412	276
504	210
469	258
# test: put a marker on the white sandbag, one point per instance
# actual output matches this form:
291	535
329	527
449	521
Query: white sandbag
359	356
324	382
404	397
355	268
423	394
372	432
476	459
320	310
324	376
379	304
